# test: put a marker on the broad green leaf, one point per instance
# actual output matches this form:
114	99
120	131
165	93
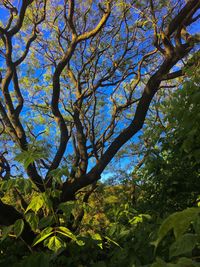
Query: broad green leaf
184	219
36	203
179	222
18	227
43	235
33	220
185	262
55	243
28	157
47	201
66	232
183	245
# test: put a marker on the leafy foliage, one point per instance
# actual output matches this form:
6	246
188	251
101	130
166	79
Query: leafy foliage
171	172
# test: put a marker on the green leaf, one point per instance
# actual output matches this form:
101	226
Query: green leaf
184	244
111	241
43	235
7	185
182	262
178	221
139	218
80	242
28	157
36	203
6	231
47	201
196	225
184	219
66	207
185	262
97	238
33	220
18	227
45	221
55	243
66	232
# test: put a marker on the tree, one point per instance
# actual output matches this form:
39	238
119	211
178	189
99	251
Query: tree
72	94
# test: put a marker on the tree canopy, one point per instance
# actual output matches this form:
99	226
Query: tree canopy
77	80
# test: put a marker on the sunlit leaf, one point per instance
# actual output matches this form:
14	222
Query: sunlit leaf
18	227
